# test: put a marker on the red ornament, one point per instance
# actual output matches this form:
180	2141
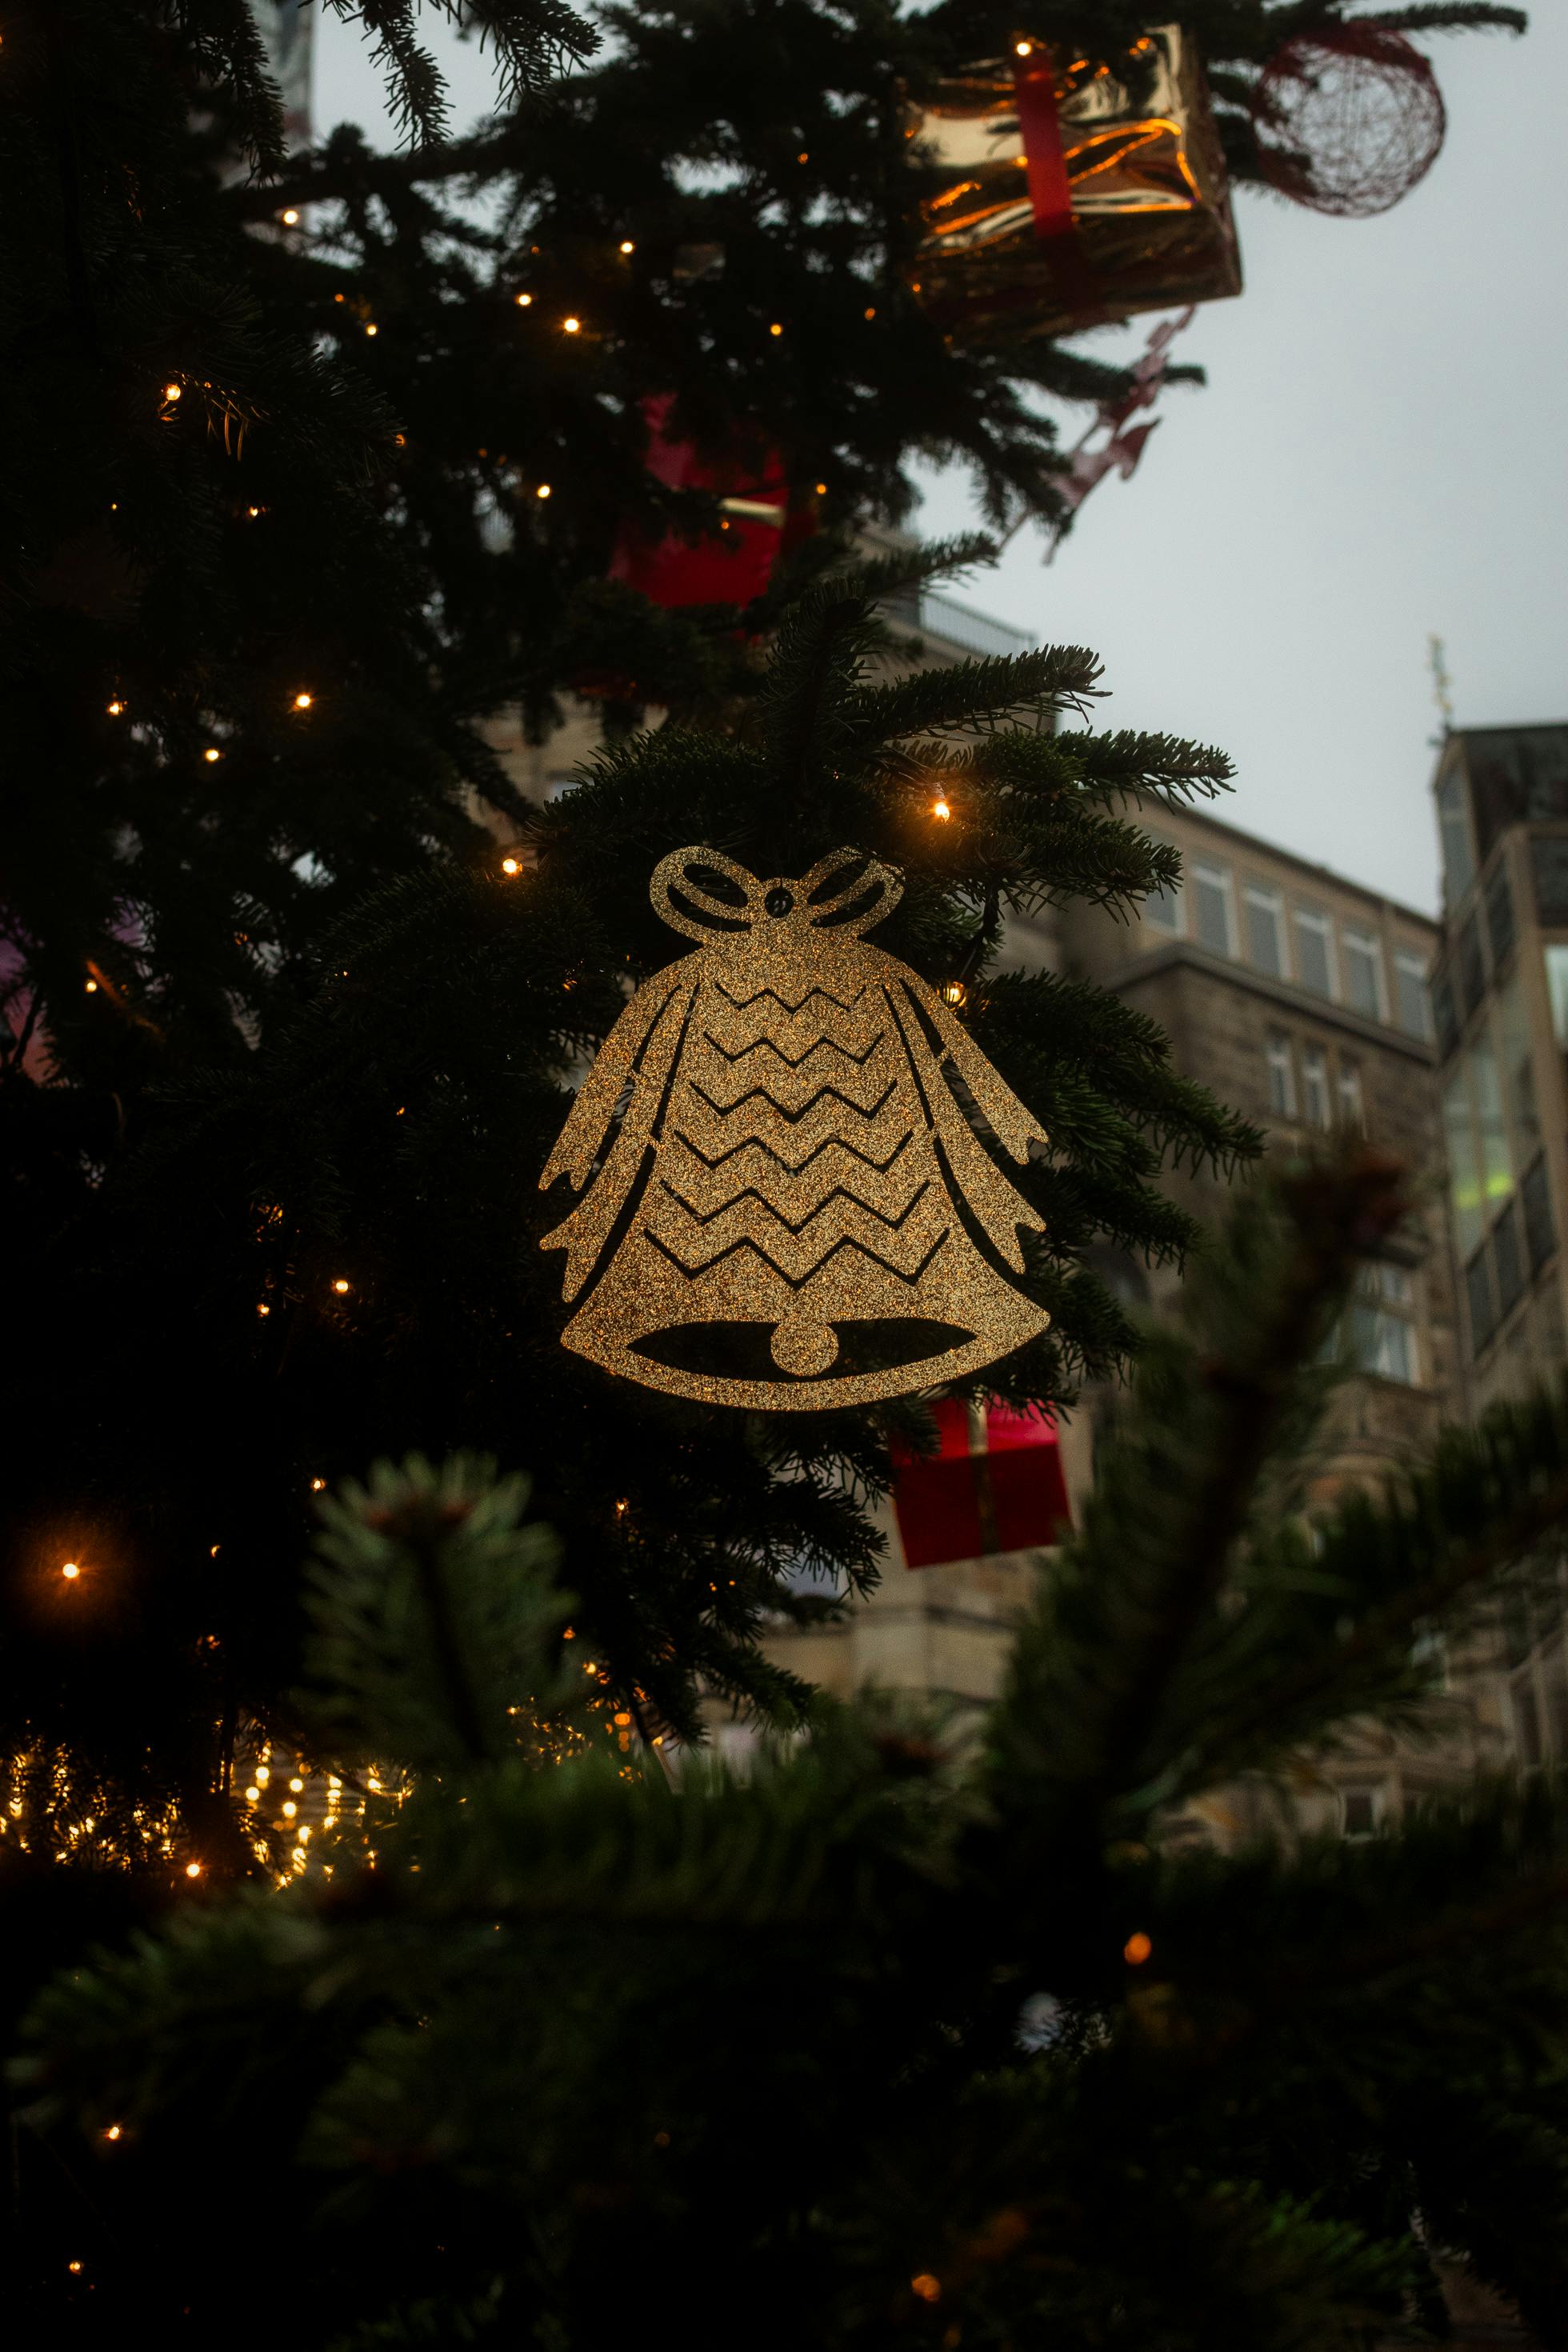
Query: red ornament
1008	1496
1349	119
729	566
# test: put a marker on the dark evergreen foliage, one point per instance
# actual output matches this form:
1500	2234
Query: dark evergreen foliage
904	2037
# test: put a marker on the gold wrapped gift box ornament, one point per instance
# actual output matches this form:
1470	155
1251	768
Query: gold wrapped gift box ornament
1073	197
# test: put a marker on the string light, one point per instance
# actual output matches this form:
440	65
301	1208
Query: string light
212	754
803	157
262	1307
510	865
290	218
302	701
290	1810
253	512
115	708
193	1870
1136	1949
90	988
523	301
822	489
317	1485
172	391
928	2288
776	329
253	1795
113	2132
626	244
871	312
340	1287
543	492
372	329
955	993
69	1570
940	811
1023	49
572	326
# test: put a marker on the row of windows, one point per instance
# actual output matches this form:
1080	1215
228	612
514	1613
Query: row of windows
1296	942
1518	1247
1303	1087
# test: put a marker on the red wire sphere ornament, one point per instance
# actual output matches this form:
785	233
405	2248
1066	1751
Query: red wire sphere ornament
1349	119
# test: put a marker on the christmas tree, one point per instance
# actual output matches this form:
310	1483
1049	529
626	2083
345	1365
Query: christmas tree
286	1039
894	2039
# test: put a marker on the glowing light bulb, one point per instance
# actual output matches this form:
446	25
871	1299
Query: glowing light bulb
543	492
372	329
1137	1950
193	1870
113	2132
317	1485
69	1570
572	326
290	1810
212	754
297	1785
927	2287
940	811
626	244
253	512
510	865
523	301
1023	49
262	1307
803	157
955	993
871	312
290	218
776	329
340	1287
73	2266
89	987
115	708
302	701
822	489
253	1795
172	391
264	1773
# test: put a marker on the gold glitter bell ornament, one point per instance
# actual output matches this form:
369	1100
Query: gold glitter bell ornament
787	1205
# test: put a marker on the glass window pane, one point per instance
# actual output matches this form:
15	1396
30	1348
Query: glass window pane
1540	1234
1364	973
1479	1296
1509	1266
1458	869
1164	908
1486	1096
1410	1007
1313	968
1557	989
1499	913
1353	1104
1470	967
1281	1074
1210	888
1315	1086
1266	930
1464	1176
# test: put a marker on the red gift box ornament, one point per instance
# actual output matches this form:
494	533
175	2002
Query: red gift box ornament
730	566
1072	196
995	1484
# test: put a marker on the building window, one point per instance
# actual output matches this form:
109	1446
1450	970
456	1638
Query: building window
1383	1324
1445	1016
1535	1197
1314	950
1265	929
1352	1100
1410	1006
1557	990
1499	913
1464	1176
1458	865
1549	873
1281	1074
1469	968
1315	1086
1163	909
1479	1298
1485	1097
1211	906
1364	973
1507	1261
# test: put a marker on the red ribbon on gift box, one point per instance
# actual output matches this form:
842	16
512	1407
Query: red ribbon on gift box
960	1505
1050	191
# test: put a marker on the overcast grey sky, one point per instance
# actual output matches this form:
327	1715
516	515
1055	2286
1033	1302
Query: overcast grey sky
1378	453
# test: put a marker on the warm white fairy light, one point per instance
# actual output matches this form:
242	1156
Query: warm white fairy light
572	326
524	302
69	1570
291	217
212	754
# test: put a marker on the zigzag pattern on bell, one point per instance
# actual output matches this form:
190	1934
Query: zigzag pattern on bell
787	1205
